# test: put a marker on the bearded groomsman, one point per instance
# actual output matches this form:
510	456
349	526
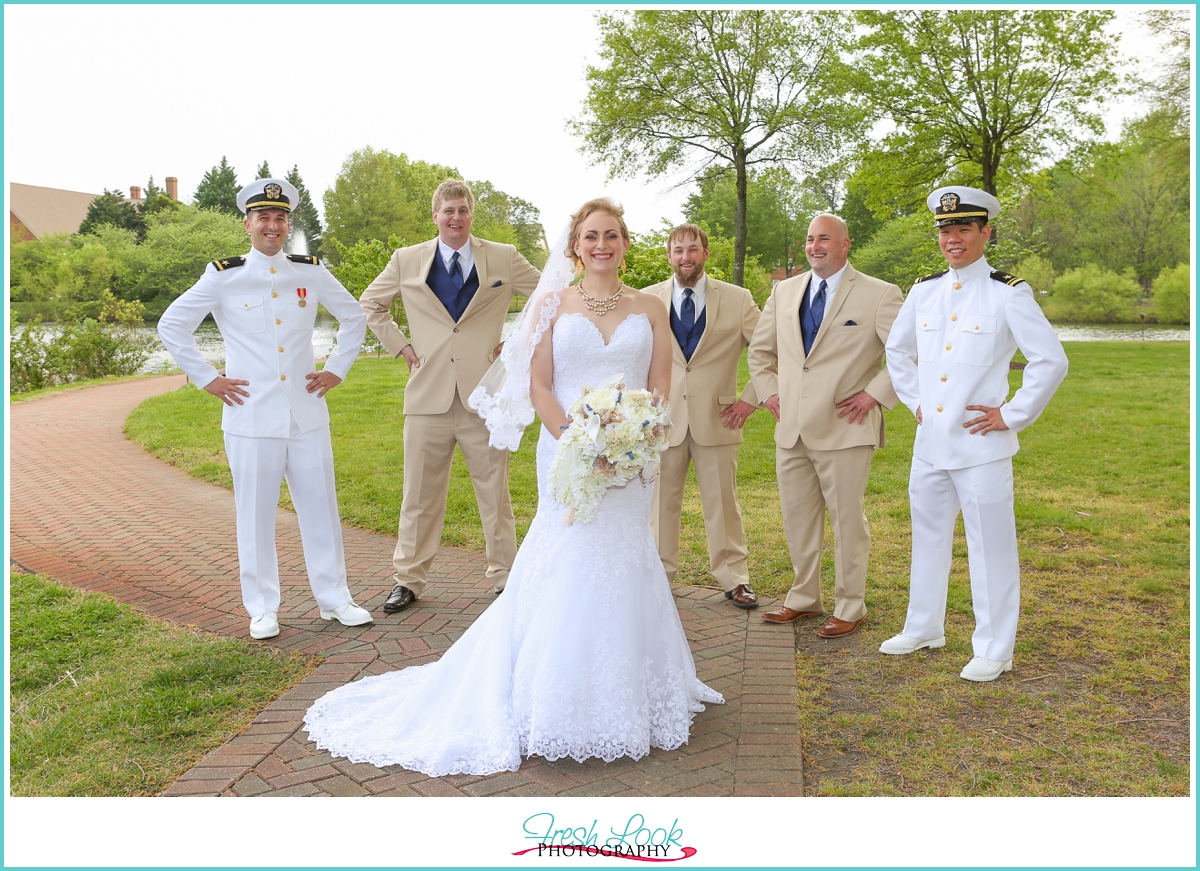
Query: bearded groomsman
949	355
275	420
455	290
817	356
712	322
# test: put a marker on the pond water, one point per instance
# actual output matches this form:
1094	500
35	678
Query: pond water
212	348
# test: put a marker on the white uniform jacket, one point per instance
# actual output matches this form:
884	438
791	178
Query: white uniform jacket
950	347
268	337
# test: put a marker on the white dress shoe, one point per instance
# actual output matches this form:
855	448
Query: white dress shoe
981	668
264	625
901	644
348	615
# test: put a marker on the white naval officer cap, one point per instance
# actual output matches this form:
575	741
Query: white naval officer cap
959	205
267	193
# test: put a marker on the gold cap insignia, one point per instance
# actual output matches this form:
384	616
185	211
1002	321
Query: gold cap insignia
949	202
273	191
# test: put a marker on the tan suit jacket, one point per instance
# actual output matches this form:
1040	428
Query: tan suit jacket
845	357
707	383
453	355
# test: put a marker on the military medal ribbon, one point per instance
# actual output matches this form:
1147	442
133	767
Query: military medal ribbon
302	292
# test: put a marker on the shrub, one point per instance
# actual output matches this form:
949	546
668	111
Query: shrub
82	347
1172	294
1091	295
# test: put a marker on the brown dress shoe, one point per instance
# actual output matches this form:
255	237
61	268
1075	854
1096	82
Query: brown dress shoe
835	628
743	596
787	615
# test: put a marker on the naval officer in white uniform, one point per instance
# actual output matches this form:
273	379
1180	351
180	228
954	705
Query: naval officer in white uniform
275	419
949	353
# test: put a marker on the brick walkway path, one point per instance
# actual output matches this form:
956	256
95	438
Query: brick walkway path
94	510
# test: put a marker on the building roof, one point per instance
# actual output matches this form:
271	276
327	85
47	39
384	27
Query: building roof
48	210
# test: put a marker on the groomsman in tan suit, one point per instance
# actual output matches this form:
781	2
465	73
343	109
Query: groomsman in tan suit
816	356
712	322
456	291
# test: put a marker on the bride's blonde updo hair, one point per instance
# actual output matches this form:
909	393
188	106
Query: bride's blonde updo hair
599	204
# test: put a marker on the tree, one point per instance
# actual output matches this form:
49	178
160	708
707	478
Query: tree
901	251
1173	295
111	208
737	88
218	190
1092	295
264	171
378	194
500	217
305	220
777	213
976	96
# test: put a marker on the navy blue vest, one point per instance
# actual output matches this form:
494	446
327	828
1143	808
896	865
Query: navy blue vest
688	341
455	301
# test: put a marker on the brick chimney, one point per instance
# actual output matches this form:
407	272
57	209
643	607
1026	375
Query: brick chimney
172	187
135	193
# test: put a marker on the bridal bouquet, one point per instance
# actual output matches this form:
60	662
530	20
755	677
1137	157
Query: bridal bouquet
615	435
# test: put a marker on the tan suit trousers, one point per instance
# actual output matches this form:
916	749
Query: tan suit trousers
810	481
429	441
716	475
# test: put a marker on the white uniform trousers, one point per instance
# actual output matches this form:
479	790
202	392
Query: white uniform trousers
716	477
429	441
984	494
259	465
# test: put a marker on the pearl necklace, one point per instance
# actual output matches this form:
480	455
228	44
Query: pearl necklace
600	306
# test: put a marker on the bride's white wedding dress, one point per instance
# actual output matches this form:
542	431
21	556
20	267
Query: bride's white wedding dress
583	655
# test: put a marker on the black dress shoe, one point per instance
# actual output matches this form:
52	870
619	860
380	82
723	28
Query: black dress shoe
399	599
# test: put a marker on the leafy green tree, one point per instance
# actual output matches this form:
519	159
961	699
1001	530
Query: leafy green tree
646	262
901	251
777	213
218	190
179	246
977	96
1038	273
1093	295
358	265
111	208
305	220
737	88
264	171
501	217
1173	295
378	194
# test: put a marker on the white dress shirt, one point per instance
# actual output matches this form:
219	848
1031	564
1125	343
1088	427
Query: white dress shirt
465	258
697	295
831	285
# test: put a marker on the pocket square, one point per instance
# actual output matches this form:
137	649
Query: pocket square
849	324
498	283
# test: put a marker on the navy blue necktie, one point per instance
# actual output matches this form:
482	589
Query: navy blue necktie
687	312
456	276
818	306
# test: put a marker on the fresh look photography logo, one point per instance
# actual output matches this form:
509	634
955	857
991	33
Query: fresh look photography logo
635	839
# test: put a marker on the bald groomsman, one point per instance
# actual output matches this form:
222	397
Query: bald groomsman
275	420
712	322
949	356
817	356
455	290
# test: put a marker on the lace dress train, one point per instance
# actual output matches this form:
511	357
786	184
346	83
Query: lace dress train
583	655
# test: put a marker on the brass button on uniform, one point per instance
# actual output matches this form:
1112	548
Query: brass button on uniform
943	377
977	326
957	286
273	293
245	305
278	321
953	317
939	408
272	270
925	324
280	349
284	378
947	347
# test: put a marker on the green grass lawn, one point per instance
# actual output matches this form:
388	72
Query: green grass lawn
107	701
1099	702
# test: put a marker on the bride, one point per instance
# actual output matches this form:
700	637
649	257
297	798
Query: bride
584	654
